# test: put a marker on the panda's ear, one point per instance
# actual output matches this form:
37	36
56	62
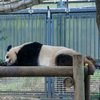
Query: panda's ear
9	47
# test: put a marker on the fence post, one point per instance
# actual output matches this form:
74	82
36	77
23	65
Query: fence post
78	76
87	87
49	88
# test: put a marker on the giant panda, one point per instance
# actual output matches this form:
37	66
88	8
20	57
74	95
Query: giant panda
37	54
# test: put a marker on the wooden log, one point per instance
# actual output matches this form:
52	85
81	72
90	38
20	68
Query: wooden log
36	71
68	82
78	76
87	87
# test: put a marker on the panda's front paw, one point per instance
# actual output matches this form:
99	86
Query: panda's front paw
91	70
3	64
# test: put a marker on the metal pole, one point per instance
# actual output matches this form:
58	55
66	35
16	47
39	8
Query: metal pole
67	3
49	26
61	3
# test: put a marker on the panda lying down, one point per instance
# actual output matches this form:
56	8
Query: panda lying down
36	54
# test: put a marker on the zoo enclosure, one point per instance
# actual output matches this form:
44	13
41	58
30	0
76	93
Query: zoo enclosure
76	29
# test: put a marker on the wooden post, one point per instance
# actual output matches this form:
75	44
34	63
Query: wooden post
78	75
68	82
87	87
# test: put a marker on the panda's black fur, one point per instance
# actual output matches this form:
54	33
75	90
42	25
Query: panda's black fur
64	60
28	55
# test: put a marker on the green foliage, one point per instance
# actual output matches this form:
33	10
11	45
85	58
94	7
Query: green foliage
2	35
1	61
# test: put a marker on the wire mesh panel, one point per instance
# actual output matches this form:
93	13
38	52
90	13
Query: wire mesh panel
59	90
95	85
23	86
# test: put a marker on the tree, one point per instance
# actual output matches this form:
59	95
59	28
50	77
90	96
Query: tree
15	5
98	16
2	37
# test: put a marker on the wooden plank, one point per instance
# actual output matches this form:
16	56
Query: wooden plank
78	75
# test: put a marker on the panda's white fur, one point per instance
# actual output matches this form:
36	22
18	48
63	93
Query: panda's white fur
46	56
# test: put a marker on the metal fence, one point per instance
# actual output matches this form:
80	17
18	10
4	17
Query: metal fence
76	29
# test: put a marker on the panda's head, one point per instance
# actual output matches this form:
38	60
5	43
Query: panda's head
11	56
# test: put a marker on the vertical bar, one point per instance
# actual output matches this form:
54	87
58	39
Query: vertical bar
36	29
53	29
57	29
78	33
49	88
40	28
5	32
94	37
65	31
61	42
98	46
73	33
90	34
61	87
45	86
24	28
81	36
13	39
32	28
67	3
69	30
61	3
21	30
17	29
49	26
9	29
78	75
86	35
53	86
45	34
49	42
87	87
28	27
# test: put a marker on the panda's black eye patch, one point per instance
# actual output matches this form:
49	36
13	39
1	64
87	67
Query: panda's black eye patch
7	57
9	61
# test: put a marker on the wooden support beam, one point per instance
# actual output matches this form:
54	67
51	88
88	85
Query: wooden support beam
87	87
68	82
78	75
36	71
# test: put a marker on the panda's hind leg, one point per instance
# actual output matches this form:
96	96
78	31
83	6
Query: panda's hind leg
64	60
